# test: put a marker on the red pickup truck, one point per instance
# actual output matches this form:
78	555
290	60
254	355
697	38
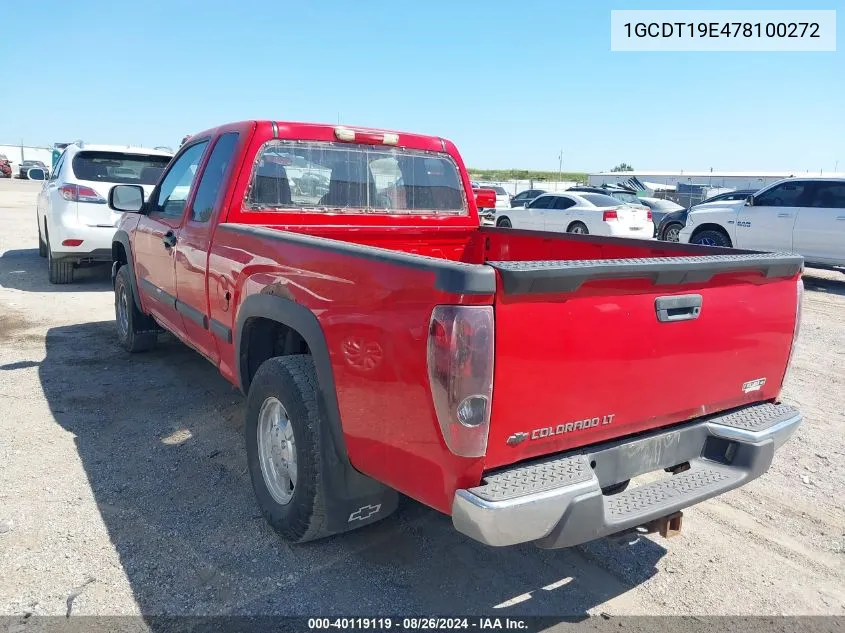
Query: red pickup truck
515	380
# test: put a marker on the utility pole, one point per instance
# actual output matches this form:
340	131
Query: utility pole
836	166
560	166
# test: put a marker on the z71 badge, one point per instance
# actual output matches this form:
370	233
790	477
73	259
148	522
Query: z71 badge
560	429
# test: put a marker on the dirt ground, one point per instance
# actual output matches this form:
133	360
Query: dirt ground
107	508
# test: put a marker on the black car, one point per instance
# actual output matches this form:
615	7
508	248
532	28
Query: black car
25	166
524	197
671	224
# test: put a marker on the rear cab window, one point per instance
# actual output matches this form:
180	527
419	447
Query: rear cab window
326	177
119	167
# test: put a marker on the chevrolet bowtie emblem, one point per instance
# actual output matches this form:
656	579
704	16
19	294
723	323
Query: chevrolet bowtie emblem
517	438
363	513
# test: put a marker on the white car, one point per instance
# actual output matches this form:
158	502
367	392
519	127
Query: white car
75	224
584	213
797	215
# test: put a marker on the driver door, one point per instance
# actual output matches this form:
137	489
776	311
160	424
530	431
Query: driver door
767	223
155	237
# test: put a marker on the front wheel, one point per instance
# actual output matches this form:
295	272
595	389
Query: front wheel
504	223
136	332
579	228
672	233
283	447
711	237
42	245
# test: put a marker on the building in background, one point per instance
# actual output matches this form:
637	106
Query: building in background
707	179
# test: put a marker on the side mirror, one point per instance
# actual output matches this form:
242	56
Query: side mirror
525	205
36	173
127	198
749	201
485	198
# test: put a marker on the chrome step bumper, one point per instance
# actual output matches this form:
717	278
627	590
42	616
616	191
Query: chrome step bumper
558	502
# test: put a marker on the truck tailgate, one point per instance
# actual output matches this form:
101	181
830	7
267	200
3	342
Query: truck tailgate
591	350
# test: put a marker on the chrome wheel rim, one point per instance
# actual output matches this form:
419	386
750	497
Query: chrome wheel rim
277	451
123	312
673	234
578	229
706	241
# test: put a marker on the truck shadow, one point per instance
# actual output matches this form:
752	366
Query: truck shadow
825	285
160	438
23	269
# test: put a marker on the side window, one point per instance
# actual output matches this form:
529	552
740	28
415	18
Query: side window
563	203
542	202
213	176
829	195
176	186
58	167
787	194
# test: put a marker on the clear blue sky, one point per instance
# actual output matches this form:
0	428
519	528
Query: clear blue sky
510	82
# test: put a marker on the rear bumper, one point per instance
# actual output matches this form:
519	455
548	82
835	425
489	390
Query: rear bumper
558	502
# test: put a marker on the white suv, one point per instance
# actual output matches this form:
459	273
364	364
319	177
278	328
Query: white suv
75	224
797	215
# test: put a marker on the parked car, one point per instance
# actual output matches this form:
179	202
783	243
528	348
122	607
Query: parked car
671	224
584	213
524	197
75	223
26	165
363	338
798	215
660	208
5	167
503	198
622	195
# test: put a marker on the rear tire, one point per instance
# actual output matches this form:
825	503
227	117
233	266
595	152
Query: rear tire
284	447
59	271
672	233
579	228
711	237
133	327
504	223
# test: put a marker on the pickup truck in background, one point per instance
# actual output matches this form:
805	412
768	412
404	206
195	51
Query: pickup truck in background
388	343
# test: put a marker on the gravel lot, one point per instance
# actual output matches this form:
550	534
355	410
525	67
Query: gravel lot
106	508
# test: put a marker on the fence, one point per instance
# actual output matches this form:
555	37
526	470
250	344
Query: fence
513	187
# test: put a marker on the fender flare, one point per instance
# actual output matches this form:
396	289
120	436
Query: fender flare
346	489
122	237
302	320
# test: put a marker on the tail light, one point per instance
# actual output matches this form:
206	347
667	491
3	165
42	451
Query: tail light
610	214
795	332
357	136
80	193
648	215
460	371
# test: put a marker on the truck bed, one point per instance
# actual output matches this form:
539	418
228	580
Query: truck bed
582	355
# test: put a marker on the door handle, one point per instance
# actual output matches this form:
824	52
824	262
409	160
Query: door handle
169	239
784	215
840	217
680	308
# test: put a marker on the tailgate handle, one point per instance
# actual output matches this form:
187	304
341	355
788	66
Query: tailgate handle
678	308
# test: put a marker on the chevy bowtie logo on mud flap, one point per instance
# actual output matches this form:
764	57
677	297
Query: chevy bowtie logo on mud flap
560	429
363	513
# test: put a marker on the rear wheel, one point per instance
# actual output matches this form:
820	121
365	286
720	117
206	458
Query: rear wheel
672	233
136	332
59	271
283	447
711	237
579	228
504	223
